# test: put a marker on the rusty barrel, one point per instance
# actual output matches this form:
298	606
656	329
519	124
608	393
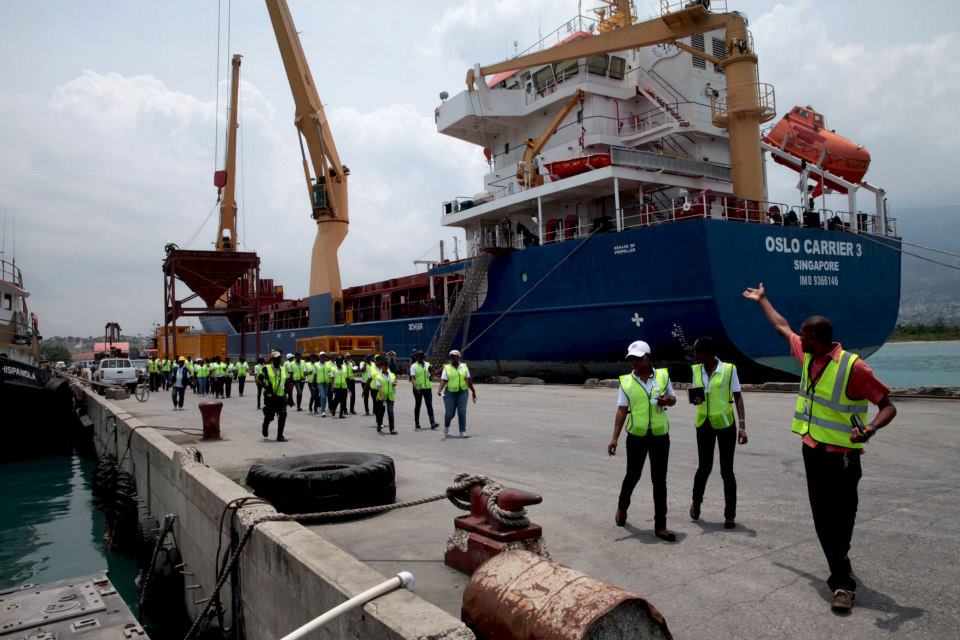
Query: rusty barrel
210	412
519	595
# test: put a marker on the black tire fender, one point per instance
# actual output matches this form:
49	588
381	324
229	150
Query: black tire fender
325	481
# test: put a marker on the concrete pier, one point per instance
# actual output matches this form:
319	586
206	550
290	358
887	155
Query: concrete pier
764	579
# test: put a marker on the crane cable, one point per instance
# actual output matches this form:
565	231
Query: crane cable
874	238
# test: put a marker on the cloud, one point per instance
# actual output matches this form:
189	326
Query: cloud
897	99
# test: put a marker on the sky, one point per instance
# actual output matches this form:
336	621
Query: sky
110	123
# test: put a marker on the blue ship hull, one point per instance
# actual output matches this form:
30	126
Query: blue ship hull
666	284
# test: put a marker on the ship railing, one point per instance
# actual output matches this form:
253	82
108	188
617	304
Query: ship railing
375	312
713	6
11	273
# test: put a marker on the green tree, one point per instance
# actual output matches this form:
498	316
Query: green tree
54	353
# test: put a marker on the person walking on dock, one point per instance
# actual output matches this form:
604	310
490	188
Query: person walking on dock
642	401
338	382
422	384
366	372
179	381
296	374
276	387
385	386
153	372
215	386
165	368
331	366
715	425
323	383
241	373
351	382
288	367
310	378
455	380
227	370
191	369
257	370
830	415
202	372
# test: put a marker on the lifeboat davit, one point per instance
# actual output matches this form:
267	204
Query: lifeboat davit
566	168
804	135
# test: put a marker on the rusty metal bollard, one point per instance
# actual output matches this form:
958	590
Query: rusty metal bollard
519	595
478	537
210	412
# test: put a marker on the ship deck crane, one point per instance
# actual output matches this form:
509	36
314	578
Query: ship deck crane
325	175
740	108
226	179
527	175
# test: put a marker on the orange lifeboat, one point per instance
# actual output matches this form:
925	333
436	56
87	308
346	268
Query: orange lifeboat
566	168
804	135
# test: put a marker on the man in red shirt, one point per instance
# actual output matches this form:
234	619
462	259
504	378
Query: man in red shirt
833	471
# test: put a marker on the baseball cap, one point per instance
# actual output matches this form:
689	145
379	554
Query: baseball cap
289	355
638	349
274	354
455	353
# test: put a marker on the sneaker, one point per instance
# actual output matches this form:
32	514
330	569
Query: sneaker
393	432
299	409
434	426
729	523
464	435
379	429
417	428
281	439
842	600
323	415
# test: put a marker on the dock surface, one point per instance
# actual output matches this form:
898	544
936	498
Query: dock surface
764	579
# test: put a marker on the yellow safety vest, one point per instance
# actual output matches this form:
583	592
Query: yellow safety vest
823	409
296	369
276	380
717	407
421	377
388	386
339	377
349	365
643	407
457	377
242	368
152	366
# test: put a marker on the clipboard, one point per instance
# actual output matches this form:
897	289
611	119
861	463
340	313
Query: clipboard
696	392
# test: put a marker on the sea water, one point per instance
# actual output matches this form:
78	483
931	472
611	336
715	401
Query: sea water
50	529
918	364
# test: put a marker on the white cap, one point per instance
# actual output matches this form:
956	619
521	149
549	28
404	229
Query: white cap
455	353
289	355
638	349
322	353
274	354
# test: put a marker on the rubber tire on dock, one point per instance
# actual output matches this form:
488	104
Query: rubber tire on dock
325	482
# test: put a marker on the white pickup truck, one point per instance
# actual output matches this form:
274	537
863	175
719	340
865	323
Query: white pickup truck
117	371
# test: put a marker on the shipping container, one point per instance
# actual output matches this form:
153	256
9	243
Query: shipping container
195	345
354	345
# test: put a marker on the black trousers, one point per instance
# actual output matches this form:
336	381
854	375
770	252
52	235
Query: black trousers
637	449
154	381
178	396
352	390
298	387
274	406
832	480
423	396
339	400
227	385
726	441
366	398
259	395
379	407
240	382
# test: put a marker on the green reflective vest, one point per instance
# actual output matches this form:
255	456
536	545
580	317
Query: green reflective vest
276	380
202	370
643	407
349	364
189	366
166	366
242	369
339	376
421	375
823	409
457	377
718	406
387	389
309	372
296	371
152	366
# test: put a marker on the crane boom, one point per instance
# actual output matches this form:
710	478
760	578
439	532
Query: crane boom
325	175
746	104
227	233
526	175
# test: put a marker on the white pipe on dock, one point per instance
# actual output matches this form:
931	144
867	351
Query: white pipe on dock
403	579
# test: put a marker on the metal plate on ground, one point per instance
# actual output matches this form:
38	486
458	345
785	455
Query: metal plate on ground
87	605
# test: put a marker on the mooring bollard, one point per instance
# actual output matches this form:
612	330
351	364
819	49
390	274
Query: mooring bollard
210	412
519	595
479	536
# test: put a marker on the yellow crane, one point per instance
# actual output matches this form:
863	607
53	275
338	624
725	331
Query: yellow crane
740	108
325	175
527	175
226	180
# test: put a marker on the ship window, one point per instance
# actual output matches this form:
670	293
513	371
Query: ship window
696	41
564	70
597	65
523	277
801	112
7	302
544	78
617	66
719	51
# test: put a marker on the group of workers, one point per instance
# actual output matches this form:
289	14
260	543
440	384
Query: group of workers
830	416
215	376
331	378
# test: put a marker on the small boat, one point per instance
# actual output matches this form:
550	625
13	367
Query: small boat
566	168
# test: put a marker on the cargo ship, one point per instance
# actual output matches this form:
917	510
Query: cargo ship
625	199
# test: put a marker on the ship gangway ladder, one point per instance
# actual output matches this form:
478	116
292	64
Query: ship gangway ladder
458	314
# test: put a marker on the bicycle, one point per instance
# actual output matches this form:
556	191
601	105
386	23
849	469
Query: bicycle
143	391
